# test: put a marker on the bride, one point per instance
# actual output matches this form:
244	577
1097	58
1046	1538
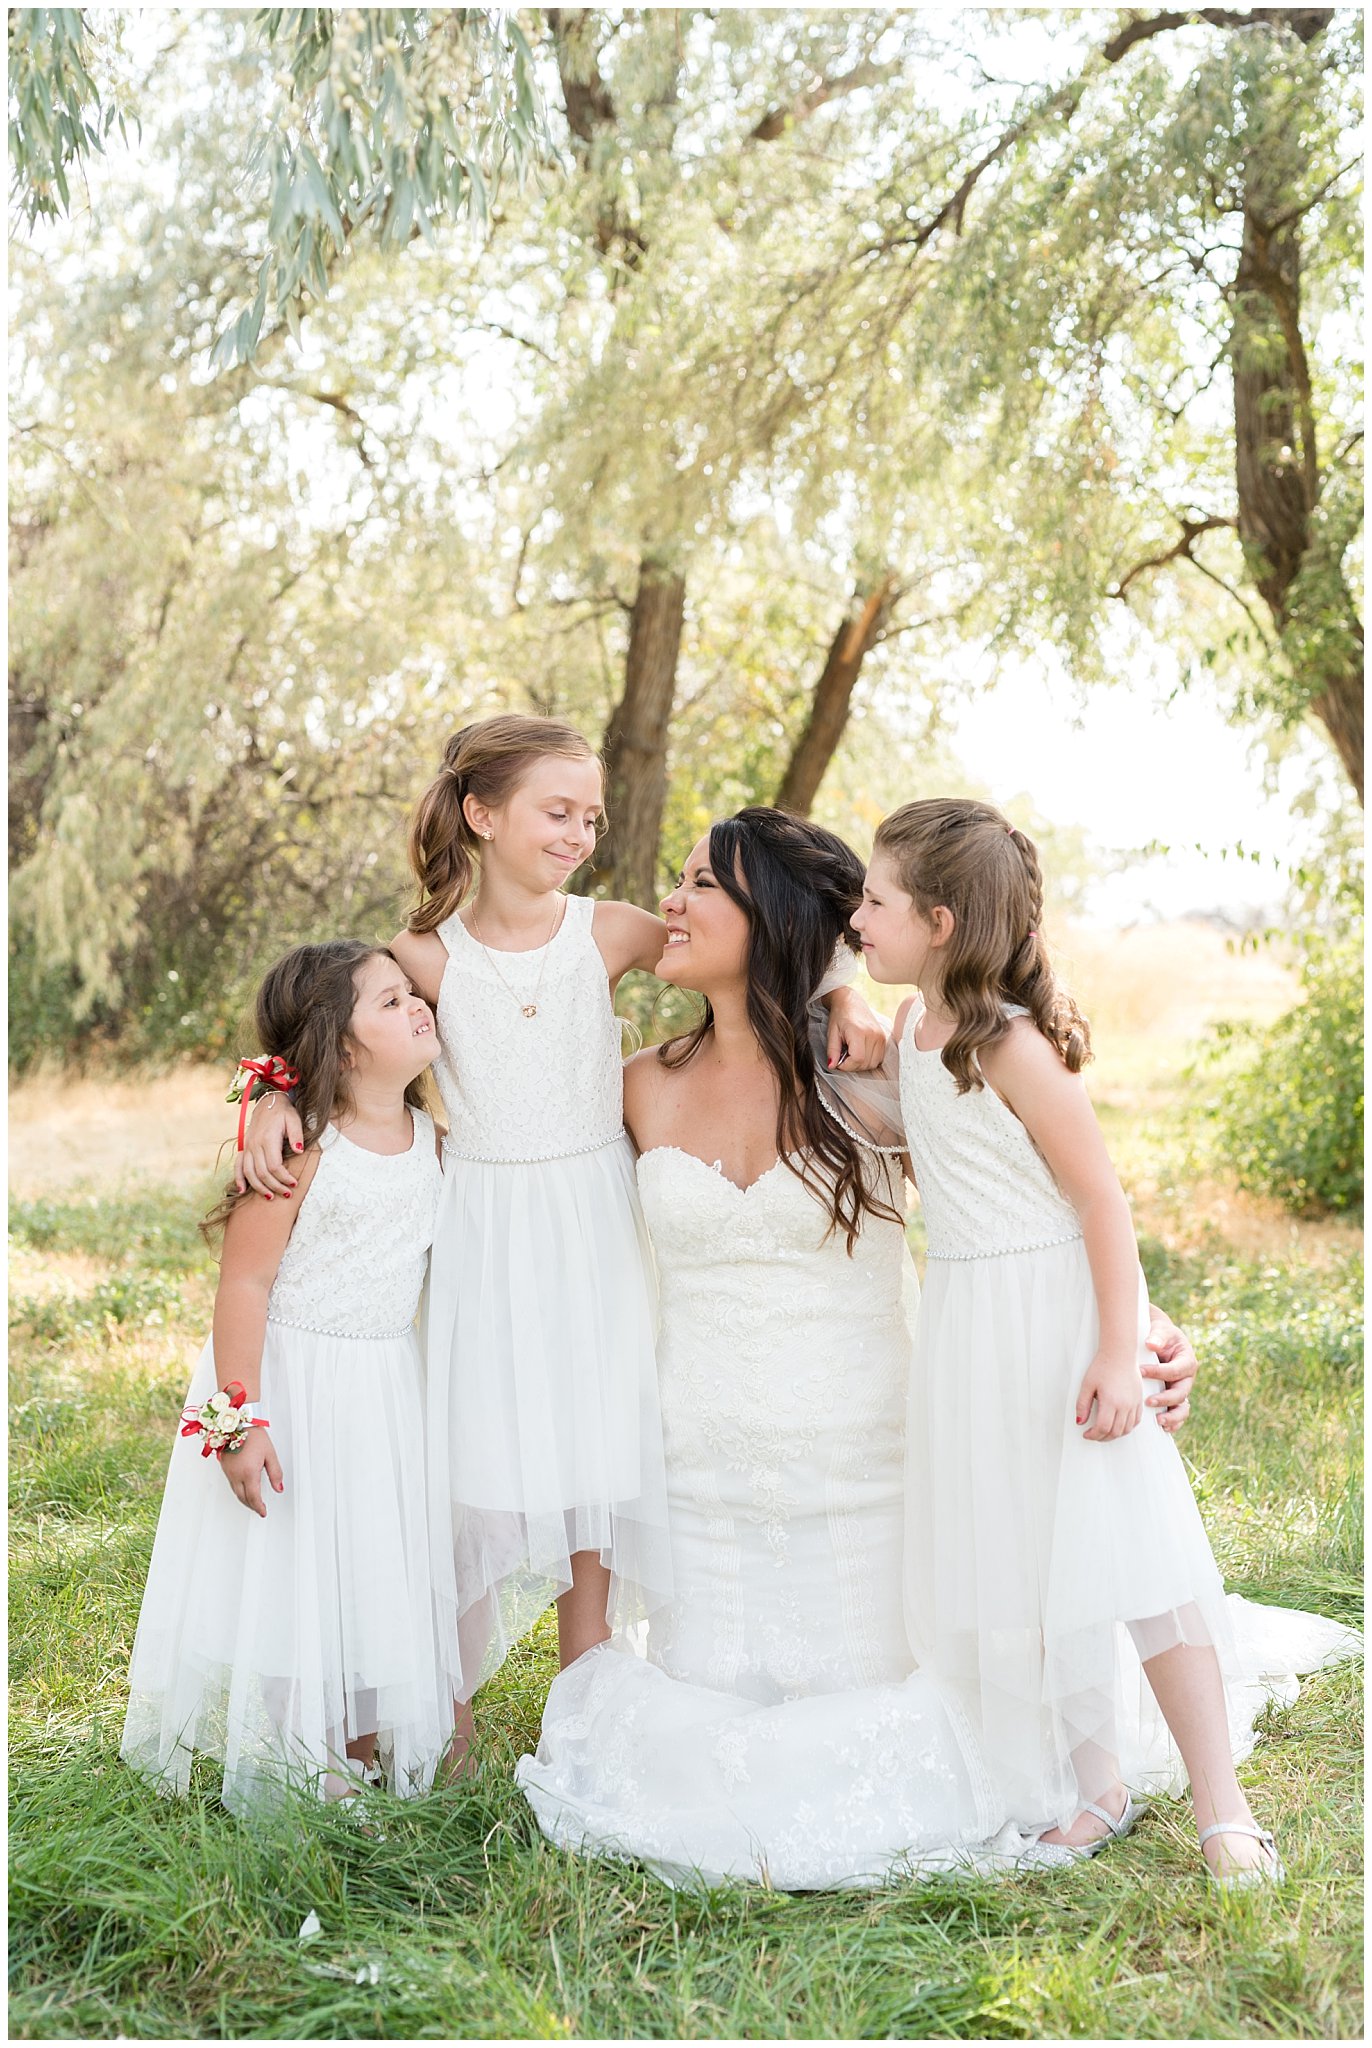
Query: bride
771	1724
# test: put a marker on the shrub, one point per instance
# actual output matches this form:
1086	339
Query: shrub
1288	1118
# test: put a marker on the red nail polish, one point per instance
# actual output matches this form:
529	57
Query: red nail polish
269	1198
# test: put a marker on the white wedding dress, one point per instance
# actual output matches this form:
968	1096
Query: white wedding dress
768	1723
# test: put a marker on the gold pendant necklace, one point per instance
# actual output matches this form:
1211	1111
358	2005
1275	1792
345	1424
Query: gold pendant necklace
529	1009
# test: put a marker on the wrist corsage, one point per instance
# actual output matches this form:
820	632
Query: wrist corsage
224	1420
269	1075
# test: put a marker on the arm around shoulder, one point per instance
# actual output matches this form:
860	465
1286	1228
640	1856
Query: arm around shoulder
628	937
423	956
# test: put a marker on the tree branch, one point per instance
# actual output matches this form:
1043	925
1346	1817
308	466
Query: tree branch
1190	530
1295	213
339	404
1254	621
1065	100
1144	27
778	120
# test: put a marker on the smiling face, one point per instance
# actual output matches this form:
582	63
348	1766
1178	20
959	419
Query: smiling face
707	932
899	943
546	827
391	1029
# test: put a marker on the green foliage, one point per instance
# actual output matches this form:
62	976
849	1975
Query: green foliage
394	118
385	119
143	1230
1287	1113
56	118
247	609
144	1299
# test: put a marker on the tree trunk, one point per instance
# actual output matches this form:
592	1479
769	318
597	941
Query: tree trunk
833	699
1277	471
636	739
1276	461
1270	460
1339	708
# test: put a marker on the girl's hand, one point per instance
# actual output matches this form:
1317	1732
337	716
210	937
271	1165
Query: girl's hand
858	1038
1177	1366
274	1132
1115	1385
244	1468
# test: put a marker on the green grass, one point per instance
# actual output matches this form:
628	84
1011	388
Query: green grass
149	1918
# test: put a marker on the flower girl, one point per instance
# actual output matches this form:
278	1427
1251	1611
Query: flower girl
541	1378
288	1628
1052	1546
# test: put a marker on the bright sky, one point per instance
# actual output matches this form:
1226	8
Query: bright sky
1134	769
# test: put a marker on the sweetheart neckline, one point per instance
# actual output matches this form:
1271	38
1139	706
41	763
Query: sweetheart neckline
716	1172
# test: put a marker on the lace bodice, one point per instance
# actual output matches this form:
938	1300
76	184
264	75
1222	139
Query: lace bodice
984	1186
782	1367
526	1088
354	1263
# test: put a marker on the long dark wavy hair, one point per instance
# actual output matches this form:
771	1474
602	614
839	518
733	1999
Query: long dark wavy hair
798	886
969	858
302	1012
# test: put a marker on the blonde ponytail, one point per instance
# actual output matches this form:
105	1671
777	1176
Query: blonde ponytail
487	760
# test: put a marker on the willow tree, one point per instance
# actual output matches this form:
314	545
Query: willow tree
376	124
1151	331
233	600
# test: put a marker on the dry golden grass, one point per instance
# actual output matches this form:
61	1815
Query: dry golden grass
1169	981
88	1131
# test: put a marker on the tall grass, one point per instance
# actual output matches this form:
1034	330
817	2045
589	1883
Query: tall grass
150	1918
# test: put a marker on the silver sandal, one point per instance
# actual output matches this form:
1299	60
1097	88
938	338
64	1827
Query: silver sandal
1253	1874
1062	1855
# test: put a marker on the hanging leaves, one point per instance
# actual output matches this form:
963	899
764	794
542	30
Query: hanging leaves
385	120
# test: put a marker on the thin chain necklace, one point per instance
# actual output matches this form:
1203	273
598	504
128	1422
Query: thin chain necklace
529	1009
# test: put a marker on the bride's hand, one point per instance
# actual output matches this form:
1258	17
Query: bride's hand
1177	1367
274	1132
857	1036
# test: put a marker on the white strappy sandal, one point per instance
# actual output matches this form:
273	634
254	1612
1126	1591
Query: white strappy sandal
1250	1875
1062	1855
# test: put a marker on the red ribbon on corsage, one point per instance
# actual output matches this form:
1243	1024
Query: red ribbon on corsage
271	1072
219	1422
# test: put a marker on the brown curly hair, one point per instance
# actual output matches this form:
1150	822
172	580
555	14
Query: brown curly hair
966	857
302	1012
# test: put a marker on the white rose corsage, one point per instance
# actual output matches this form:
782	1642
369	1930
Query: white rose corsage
224	1420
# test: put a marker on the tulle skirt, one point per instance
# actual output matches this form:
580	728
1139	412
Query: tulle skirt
271	1643
1043	1570
543	1425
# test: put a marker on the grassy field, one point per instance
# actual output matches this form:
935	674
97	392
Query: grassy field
135	1916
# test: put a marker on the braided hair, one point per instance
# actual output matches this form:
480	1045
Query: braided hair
798	886
967	858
